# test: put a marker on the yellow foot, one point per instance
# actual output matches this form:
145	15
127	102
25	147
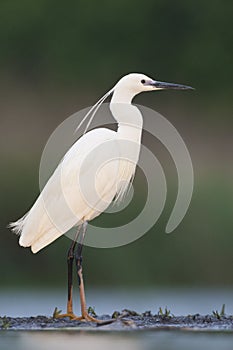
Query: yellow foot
85	317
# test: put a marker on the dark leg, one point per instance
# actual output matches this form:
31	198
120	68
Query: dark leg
78	260
79	238
70	259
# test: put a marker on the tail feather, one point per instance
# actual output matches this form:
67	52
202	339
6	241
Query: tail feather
36	229
36	242
17	226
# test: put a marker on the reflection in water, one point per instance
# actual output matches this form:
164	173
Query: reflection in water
104	340
80	340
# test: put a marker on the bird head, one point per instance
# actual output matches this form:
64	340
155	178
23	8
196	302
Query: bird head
136	83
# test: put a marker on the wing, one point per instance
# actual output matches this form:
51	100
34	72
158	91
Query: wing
67	198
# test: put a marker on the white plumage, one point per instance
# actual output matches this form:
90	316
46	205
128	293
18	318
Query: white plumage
96	170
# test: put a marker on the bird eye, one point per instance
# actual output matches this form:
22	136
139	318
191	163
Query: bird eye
143	81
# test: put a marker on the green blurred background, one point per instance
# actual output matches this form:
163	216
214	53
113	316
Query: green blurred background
59	57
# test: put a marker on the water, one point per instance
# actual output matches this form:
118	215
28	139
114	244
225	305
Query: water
179	301
161	340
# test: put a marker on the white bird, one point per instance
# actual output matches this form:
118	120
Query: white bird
96	170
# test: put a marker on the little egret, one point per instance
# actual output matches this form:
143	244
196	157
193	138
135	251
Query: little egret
49	218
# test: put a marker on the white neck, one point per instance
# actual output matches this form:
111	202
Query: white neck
128	117
122	96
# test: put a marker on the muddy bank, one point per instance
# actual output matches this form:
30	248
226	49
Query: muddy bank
125	320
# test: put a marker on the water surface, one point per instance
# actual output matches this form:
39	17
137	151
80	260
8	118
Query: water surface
179	300
161	340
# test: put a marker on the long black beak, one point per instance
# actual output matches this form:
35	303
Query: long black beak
163	85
